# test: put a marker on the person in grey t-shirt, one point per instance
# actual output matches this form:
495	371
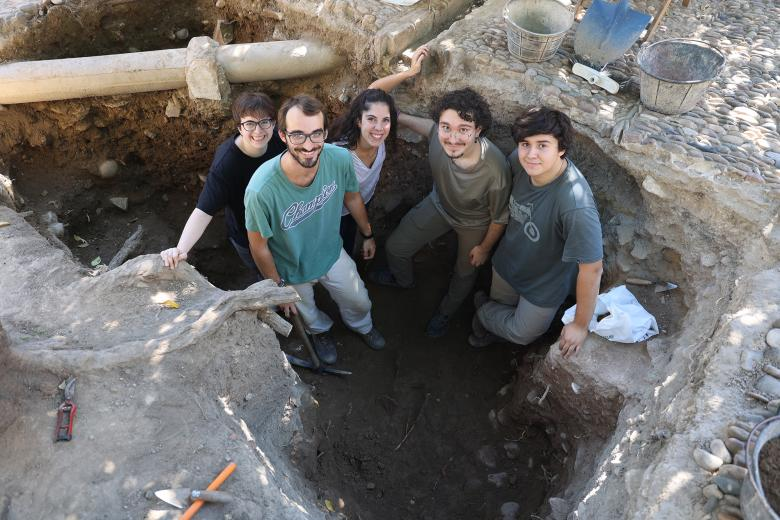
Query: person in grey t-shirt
471	184
552	243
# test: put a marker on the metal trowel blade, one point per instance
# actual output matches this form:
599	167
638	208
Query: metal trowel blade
182	497
665	286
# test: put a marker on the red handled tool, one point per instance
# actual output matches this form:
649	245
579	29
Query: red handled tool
66	413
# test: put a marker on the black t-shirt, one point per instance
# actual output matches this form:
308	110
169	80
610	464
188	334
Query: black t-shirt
228	177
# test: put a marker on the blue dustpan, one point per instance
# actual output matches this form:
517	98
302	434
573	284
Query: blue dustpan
607	31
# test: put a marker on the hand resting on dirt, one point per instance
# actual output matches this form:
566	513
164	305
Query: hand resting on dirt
193	230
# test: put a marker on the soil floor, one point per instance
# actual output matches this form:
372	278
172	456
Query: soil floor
408	435
769	470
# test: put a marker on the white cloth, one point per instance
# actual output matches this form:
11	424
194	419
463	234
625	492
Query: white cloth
626	320
347	289
368	177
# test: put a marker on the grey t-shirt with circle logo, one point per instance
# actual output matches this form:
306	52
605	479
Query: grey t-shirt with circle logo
551	230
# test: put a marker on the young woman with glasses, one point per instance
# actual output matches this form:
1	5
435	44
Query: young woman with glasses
235	161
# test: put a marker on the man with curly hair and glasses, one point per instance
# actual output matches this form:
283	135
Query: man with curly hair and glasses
471	183
293	213
235	161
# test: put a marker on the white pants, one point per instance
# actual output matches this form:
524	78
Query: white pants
347	289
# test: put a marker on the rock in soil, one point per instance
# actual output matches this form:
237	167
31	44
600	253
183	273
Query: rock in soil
707	460
718	448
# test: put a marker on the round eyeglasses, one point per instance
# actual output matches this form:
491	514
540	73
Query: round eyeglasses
462	132
250	126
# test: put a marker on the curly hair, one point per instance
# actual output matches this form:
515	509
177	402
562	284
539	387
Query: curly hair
543	120
346	128
469	105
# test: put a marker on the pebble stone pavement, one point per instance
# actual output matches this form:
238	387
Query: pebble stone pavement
731	134
733	131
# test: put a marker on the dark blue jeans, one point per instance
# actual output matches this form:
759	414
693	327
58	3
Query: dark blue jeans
246	257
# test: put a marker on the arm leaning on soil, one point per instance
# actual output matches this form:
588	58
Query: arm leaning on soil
573	335
354	203
193	230
264	260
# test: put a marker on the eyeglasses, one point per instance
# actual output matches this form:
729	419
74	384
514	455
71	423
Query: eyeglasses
462	132
250	126
316	137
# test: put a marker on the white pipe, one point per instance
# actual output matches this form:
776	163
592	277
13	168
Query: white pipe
48	80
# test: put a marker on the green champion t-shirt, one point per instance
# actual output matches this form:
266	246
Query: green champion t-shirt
301	223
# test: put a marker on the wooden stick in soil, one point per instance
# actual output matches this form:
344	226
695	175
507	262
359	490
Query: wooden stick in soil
414	423
131	245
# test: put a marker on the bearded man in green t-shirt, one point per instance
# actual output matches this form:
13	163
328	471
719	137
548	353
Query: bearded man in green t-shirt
293	212
471	184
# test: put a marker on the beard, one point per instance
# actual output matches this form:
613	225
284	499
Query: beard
305	162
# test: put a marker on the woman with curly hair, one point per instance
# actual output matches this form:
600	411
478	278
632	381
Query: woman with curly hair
369	123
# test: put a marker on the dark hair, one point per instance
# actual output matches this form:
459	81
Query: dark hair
346	128
543	120
469	105
252	104
309	105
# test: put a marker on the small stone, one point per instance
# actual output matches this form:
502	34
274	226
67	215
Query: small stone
119	202
708	259
728	485
734	445
149	495
768	385
249	396
718	448
773	338
723	515
108	169
640	251
510	510
739	459
711	504
57	2
219	4
650	185
172	109
731	500
559	507
732	471
749	359
512	450
57	229
737	433
370	486
487	455
498	479
712	491
707	460
182	34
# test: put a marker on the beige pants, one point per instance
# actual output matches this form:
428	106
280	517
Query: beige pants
512	317
421	225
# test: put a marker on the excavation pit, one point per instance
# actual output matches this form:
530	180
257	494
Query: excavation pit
426	428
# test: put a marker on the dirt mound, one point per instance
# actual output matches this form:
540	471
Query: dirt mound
165	396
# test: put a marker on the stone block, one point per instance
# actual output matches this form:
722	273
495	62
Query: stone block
205	76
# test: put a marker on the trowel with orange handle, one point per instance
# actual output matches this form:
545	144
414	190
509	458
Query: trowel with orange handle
184	496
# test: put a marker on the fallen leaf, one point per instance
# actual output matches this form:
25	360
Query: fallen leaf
329	506
170	304
95	261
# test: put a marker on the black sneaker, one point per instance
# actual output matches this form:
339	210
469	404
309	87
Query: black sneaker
325	347
373	339
386	278
438	325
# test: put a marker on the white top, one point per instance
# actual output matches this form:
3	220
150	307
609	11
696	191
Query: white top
367	177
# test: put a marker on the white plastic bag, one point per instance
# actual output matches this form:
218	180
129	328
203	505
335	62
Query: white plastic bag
626	321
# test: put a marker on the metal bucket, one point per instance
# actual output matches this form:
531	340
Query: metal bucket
675	73
535	28
752	500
